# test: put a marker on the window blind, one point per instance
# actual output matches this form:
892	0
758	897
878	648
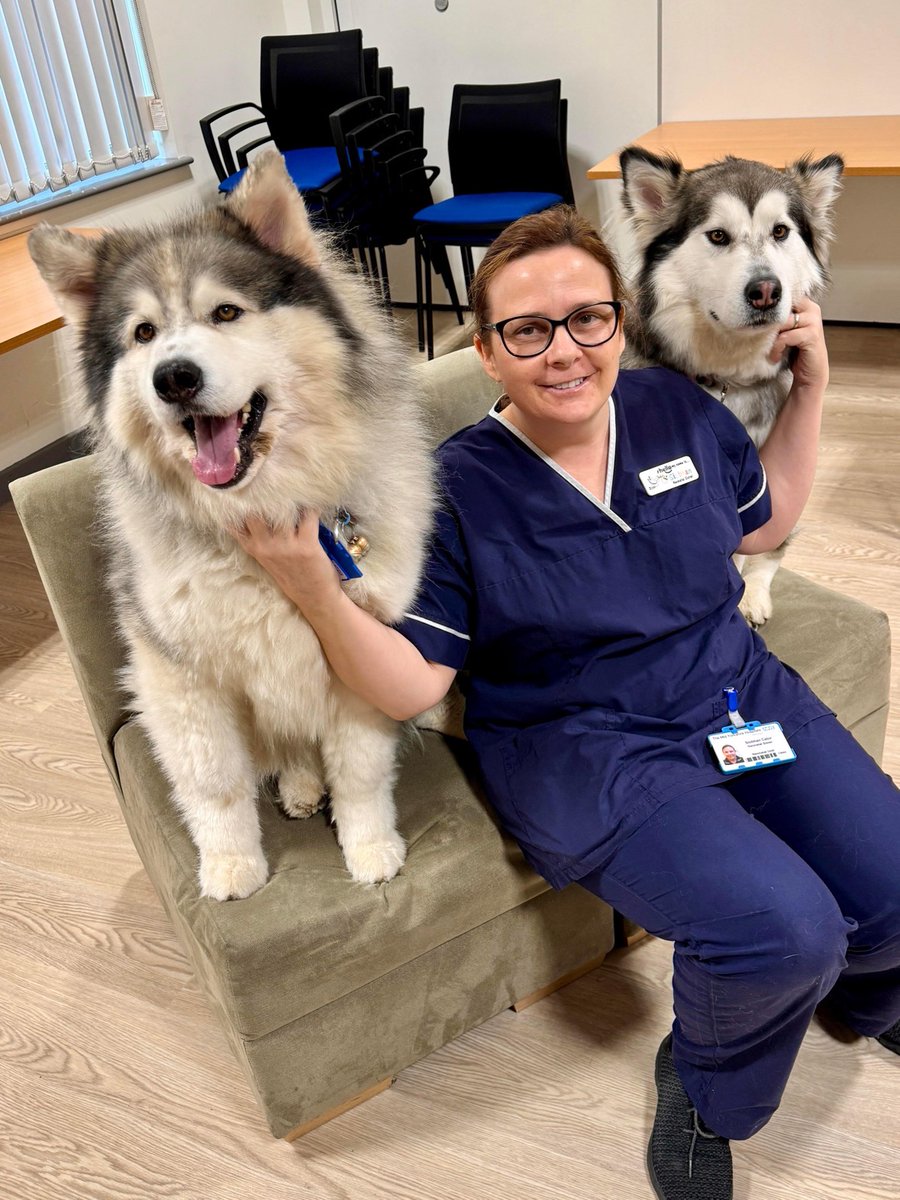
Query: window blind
69	108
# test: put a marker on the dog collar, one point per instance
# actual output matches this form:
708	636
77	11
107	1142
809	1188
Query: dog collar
724	386
710	381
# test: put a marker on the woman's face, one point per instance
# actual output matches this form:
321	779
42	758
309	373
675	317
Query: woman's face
567	384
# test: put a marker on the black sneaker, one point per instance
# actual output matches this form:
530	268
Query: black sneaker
686	1160
890	1039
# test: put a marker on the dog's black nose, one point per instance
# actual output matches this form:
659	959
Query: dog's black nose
176	382
764	292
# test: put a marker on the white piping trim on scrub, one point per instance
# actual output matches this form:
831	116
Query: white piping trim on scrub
611	453
758	495
570	479
434	624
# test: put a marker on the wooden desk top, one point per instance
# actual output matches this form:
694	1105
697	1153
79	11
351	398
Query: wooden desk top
27	310
868	145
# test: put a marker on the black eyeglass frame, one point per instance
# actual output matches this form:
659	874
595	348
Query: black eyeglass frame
617	306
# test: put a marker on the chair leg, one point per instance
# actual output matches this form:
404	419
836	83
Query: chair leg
420	312
468	269
385	281
373	262
442	265
429	309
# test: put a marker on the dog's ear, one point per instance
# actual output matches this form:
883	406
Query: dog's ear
819	182
650	182
267	201
68	263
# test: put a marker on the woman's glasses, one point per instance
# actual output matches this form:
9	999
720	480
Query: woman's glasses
592	325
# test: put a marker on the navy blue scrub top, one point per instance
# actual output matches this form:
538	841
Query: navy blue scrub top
598	633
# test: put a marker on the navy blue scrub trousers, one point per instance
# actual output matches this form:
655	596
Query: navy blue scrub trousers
779	887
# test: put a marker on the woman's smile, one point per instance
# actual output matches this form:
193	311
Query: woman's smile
569	386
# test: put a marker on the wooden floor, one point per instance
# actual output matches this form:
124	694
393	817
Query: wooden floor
116	1083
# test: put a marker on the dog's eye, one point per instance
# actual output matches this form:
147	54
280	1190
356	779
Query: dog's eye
780	232
145	332
227	312
718	237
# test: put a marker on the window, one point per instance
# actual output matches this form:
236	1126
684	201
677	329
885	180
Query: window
74	91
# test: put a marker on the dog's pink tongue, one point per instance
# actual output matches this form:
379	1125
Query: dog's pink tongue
216	441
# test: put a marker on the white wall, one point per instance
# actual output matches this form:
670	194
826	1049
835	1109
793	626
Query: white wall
730	59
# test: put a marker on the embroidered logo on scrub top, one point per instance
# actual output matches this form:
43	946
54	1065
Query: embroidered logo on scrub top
669	475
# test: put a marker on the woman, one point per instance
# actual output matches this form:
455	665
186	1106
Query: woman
581	570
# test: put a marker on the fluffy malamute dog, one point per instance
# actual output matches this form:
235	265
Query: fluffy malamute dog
723	253
234	367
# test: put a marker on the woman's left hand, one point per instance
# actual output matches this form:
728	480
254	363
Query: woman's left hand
803	331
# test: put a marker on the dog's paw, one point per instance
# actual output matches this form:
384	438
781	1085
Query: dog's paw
232	876
301	796
756	604
376	862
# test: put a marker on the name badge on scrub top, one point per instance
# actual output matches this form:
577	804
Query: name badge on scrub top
748	745
669	475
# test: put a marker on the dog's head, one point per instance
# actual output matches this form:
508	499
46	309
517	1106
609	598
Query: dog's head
217	345
730	247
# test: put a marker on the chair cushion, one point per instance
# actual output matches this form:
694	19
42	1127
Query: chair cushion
310	168
311	935
486	208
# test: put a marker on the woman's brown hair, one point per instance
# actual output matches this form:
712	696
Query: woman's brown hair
561	225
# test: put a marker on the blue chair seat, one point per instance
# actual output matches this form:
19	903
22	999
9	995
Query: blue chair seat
486	208
310	168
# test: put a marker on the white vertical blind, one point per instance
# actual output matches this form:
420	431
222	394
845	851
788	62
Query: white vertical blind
68	108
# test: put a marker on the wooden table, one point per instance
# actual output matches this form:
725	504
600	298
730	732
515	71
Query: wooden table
868	145
27	309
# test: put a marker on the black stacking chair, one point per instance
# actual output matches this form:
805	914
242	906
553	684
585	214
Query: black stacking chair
303	79
373	204
507	151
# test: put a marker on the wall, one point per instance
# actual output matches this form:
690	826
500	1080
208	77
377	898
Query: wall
727	59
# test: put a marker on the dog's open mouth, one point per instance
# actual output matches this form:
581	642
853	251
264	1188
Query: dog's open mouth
225	444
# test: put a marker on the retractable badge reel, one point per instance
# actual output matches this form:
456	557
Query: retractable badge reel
343	546
748	745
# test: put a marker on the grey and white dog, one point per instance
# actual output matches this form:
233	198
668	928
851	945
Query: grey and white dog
724	252
235	368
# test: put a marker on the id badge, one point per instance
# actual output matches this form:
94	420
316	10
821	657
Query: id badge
750	746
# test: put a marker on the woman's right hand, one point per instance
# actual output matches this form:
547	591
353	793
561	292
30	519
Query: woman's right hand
294	558
373	660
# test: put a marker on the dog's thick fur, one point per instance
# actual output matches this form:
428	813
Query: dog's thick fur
181	327
711	306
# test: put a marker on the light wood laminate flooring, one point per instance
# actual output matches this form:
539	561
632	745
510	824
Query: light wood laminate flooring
116	1082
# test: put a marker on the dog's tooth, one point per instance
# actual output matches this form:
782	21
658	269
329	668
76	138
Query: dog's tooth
237	455
246	408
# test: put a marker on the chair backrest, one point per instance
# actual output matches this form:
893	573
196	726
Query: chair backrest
343	121
370	69
220	143
509	137
400	104
305	78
